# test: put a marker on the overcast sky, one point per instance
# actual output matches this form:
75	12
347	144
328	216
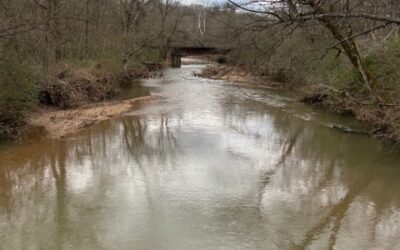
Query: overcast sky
205	2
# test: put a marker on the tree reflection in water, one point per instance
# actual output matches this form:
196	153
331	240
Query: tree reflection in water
243	170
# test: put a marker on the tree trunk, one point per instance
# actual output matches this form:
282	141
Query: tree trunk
87	30
54	27
351	50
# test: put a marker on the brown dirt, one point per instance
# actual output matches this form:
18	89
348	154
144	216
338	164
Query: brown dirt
59	123
71	87
238	75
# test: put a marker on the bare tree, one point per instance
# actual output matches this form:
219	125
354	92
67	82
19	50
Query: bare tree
170	19
338	17
201	13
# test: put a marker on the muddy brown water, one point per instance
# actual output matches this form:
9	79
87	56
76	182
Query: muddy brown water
213	166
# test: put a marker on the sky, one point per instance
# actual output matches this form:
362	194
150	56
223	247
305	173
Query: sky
204	2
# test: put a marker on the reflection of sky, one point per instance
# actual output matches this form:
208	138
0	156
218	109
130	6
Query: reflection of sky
222	153
211	167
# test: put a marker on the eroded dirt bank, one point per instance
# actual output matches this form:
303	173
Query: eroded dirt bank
238	75
59	123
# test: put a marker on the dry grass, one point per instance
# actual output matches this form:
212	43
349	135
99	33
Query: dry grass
237	74
72	86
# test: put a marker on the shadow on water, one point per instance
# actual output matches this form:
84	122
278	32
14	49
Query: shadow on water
133	90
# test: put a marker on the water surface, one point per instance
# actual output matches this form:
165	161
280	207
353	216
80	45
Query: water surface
212	166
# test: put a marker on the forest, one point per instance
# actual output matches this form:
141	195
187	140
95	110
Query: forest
343	54
199	124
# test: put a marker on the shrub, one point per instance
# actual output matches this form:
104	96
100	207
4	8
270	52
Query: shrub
18	91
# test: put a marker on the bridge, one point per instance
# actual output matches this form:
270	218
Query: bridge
176	53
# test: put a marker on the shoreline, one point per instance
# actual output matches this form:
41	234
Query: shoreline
383	118
238	76
77	97
60	123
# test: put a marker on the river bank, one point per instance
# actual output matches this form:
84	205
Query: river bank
73	97
59	123
211	166
385	119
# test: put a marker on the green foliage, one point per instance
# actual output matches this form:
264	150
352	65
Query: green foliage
335	70
383	65
18	87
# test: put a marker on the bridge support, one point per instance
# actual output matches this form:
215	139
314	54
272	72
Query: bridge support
176	53
176	61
